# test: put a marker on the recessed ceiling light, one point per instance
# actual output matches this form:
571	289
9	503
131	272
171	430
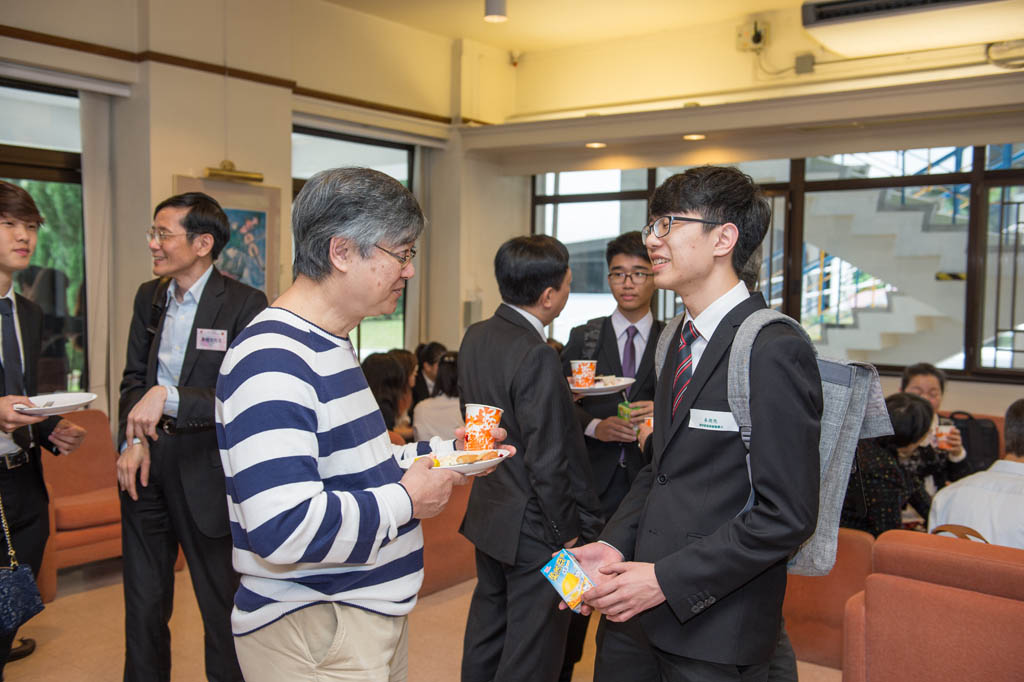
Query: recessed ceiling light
695	137
494	11
596	145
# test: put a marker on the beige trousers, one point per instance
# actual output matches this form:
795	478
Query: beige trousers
327	642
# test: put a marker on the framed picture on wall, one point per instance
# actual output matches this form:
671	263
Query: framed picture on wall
252	254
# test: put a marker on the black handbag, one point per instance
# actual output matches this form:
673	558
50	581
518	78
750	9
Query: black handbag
19	596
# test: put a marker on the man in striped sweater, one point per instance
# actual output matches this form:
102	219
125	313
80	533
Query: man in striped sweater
324	509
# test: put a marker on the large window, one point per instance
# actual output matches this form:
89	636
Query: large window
889	257
317	150
40	148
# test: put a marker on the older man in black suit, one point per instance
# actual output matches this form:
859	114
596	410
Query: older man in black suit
542	499
692	567
169	471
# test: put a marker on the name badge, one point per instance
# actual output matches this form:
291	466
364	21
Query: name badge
708	420
211	339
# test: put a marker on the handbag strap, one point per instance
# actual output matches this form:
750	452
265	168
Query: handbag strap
7	536
962	532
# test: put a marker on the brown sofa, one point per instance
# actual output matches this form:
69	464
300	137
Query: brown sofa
936	608
814	605
85	512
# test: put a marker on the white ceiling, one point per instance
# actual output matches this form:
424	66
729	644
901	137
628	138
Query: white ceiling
535	25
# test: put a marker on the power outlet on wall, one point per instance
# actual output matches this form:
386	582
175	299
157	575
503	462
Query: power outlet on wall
751	36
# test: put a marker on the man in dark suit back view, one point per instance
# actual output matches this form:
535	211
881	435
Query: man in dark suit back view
169	470
623	344
538	501
691	569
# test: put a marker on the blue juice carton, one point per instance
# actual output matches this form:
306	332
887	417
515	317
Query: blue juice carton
567	578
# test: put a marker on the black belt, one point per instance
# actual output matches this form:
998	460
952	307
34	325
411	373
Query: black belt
13	460
171	427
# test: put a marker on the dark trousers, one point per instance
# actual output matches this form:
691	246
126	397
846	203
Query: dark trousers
782	667
24	500
152	528
514	630
625	655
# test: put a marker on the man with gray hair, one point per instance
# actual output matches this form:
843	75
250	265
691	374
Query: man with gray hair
324	509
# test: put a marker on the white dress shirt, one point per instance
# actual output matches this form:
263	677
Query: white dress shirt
620	324
532	319
707	322
991	502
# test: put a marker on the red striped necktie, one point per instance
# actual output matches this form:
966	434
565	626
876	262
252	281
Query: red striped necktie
684	370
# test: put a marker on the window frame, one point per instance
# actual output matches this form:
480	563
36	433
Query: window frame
979	180
299	183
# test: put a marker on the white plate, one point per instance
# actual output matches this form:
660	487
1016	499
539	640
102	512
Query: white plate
56	403
474	467
604	386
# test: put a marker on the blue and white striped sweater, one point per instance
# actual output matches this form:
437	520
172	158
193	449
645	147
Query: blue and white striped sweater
317	513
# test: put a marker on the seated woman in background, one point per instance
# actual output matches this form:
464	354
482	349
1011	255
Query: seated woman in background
440	414
882	483
403	420
390	388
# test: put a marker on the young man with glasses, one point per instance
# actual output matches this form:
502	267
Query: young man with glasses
623	344
691	569
169	471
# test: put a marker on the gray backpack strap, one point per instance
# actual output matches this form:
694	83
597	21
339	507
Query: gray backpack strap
592	338
668	332
739	364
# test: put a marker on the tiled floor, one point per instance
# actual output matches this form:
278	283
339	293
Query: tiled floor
80	634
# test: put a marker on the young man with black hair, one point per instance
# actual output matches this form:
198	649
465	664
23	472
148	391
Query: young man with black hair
540	500
691	569
22	490
428	355
623	344
169	471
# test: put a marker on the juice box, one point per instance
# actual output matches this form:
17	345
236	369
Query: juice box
625	411
567	578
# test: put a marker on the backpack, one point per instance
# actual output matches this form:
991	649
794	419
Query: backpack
980	439
853	408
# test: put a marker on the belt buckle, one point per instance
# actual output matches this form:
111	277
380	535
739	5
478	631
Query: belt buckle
13	460
167	425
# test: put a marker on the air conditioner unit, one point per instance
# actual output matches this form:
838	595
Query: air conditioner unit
859	28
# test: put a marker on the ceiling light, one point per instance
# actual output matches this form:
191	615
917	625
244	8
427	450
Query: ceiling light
494	11
695	137
596	145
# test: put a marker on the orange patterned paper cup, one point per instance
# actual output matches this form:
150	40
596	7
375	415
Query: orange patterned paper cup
480	419
583	372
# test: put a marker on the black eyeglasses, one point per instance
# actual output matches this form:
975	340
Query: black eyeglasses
663	225
638	277
403	257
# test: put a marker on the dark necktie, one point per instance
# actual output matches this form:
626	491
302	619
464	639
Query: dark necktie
684	370
629	353
14	380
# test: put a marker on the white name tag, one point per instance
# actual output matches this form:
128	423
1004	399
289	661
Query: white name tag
211	339
708	420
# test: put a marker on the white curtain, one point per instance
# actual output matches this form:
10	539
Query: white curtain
97	209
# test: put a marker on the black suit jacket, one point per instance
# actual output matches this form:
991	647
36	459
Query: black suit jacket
546	490
604	457
224	304
722	569
30	328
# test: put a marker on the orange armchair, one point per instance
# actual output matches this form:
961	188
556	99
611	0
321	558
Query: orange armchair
814	605
85	511
936	608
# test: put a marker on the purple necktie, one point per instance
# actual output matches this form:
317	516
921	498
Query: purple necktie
629	353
